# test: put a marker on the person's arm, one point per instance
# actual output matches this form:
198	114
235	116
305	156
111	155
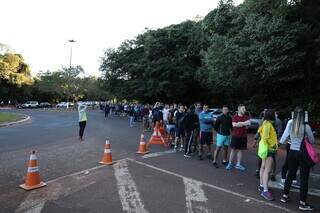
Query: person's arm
286	133
217	124
237	124
246	123
309	134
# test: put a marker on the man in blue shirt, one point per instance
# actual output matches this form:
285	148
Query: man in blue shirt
206	131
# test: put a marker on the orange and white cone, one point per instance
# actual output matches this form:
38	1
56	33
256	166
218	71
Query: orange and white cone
107	156
33	180
142	146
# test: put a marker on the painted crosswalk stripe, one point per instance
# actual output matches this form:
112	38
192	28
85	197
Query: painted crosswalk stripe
128	191
195	197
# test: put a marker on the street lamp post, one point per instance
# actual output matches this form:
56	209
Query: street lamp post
71	42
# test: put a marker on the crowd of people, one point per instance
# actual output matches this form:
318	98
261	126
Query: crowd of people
192	131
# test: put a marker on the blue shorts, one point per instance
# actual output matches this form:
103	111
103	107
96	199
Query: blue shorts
223	140
171	128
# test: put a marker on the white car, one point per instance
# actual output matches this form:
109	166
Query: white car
64	104
30	104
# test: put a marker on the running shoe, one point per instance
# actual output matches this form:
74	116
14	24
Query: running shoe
240	167
284	198
187	156
260	188
305	207
267	195
229	166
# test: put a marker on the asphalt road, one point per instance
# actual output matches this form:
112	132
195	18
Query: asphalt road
160	182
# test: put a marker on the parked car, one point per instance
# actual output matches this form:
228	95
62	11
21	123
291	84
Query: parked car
255	120
45	105
30	104
64	104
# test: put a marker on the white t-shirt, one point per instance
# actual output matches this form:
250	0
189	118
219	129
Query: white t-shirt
165	113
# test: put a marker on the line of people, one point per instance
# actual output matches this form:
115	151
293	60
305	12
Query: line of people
193	128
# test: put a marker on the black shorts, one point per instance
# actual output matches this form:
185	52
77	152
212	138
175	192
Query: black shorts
239	143
206	138
272	154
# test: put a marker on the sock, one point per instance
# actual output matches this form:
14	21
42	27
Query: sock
283	180
295	181
265	189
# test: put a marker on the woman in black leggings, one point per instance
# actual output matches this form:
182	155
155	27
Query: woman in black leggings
297	130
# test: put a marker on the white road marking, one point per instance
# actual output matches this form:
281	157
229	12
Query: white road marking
195	197
156	154
128	191
215	187
36	200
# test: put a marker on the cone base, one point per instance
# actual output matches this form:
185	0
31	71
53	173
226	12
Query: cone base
105	163
142	153
27	188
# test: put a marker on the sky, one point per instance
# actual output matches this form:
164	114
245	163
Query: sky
40	29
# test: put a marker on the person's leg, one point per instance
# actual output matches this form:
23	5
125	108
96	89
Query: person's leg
188	137
176	141
239	157
304	178
219	144
225	154
80	130
293	164
200	149
232	152
262	168
273	170
258	167
82	125
265	175
216	153
188	143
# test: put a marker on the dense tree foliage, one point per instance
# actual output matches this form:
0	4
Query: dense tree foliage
262	53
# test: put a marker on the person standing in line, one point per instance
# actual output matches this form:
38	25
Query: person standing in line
106	110
191	122
82	120
298	130
206	131
178	116
131	115
165	113
223	127
240	122
268	136
197	130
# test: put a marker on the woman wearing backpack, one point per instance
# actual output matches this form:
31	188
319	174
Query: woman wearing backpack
269	144
297	130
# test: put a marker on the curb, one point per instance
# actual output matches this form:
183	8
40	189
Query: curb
27	117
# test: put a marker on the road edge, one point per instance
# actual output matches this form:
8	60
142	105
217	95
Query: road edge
25	119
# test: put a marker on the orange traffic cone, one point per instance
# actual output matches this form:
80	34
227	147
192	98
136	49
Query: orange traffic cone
142	146
156	137
33	180
107	156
